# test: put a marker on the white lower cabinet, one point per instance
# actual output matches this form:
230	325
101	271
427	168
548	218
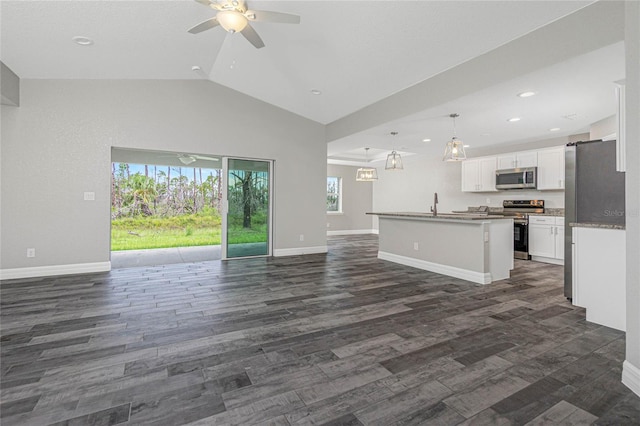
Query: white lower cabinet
546	239
599	275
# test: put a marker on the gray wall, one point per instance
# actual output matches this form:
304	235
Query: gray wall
57	145
356	201
9	86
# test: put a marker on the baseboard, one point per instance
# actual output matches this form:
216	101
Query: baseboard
46	271
631	377
547	260
352	232
299	251
464	274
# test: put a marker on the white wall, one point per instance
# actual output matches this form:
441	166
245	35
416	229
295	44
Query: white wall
631	368
57	145
357	200
412	189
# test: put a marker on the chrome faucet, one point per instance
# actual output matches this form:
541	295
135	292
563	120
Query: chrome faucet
434	208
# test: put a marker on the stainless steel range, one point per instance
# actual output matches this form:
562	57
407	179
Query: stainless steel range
520	211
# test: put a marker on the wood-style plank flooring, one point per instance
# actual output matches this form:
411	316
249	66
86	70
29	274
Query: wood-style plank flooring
336	339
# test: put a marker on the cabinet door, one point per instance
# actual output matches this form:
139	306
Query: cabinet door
506	161
487	175
559	242
527	159
470	173
551	169
542	241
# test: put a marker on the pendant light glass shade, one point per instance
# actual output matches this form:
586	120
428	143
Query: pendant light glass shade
454	151
394	161
366	174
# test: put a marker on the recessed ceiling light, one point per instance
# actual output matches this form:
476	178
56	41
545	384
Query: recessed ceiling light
554	129
485	134
195	68
426	140
316	92
526	94
82	41
514	119
466	146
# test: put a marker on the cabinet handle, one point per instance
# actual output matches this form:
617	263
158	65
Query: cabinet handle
551	229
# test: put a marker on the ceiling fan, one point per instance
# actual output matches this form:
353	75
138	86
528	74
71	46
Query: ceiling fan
234	17
187	159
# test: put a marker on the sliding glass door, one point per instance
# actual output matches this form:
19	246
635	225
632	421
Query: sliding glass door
247	216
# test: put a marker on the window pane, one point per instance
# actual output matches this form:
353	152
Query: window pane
333	194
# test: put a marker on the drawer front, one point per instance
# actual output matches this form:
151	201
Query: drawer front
560	220
542	220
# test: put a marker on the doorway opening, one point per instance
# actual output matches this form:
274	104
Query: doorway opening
175	207
165	208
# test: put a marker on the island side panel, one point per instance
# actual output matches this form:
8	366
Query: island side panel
500	249
454	248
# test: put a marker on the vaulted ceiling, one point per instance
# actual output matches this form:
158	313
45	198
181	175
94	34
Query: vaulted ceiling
380	66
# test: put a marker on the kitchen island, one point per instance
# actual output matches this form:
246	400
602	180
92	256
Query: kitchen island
477	248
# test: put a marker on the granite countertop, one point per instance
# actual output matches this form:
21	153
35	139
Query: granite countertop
551	212
443	216
596	225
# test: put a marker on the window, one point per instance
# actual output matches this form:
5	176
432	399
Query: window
334	194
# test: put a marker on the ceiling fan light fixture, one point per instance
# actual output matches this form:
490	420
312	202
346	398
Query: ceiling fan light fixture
232	21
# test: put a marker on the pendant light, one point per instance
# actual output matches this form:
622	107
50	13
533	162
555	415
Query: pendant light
454	151
394	161
366	174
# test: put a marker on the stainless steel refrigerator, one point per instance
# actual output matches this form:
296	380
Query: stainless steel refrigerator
594	192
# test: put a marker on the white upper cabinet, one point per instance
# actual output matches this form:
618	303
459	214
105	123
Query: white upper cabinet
518	159
479	175
551	168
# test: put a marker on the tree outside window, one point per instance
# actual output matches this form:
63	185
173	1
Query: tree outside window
334	194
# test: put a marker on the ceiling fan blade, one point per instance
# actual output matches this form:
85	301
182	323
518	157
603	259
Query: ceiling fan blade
211	3
250	34
205	25
267	16
202	157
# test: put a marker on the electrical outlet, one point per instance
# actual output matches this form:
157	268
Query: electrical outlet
89	196
328	225
488	201
31	252
301	237
416	246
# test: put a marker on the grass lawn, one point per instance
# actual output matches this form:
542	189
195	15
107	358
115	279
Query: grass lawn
183	231
136	239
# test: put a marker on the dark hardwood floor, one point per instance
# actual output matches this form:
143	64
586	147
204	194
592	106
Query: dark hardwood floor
337	339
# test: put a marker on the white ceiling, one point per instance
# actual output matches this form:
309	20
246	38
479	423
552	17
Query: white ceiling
355	52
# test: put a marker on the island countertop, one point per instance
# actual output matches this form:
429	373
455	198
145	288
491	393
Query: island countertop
440	216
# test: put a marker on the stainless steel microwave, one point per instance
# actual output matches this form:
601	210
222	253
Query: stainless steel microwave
521	178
